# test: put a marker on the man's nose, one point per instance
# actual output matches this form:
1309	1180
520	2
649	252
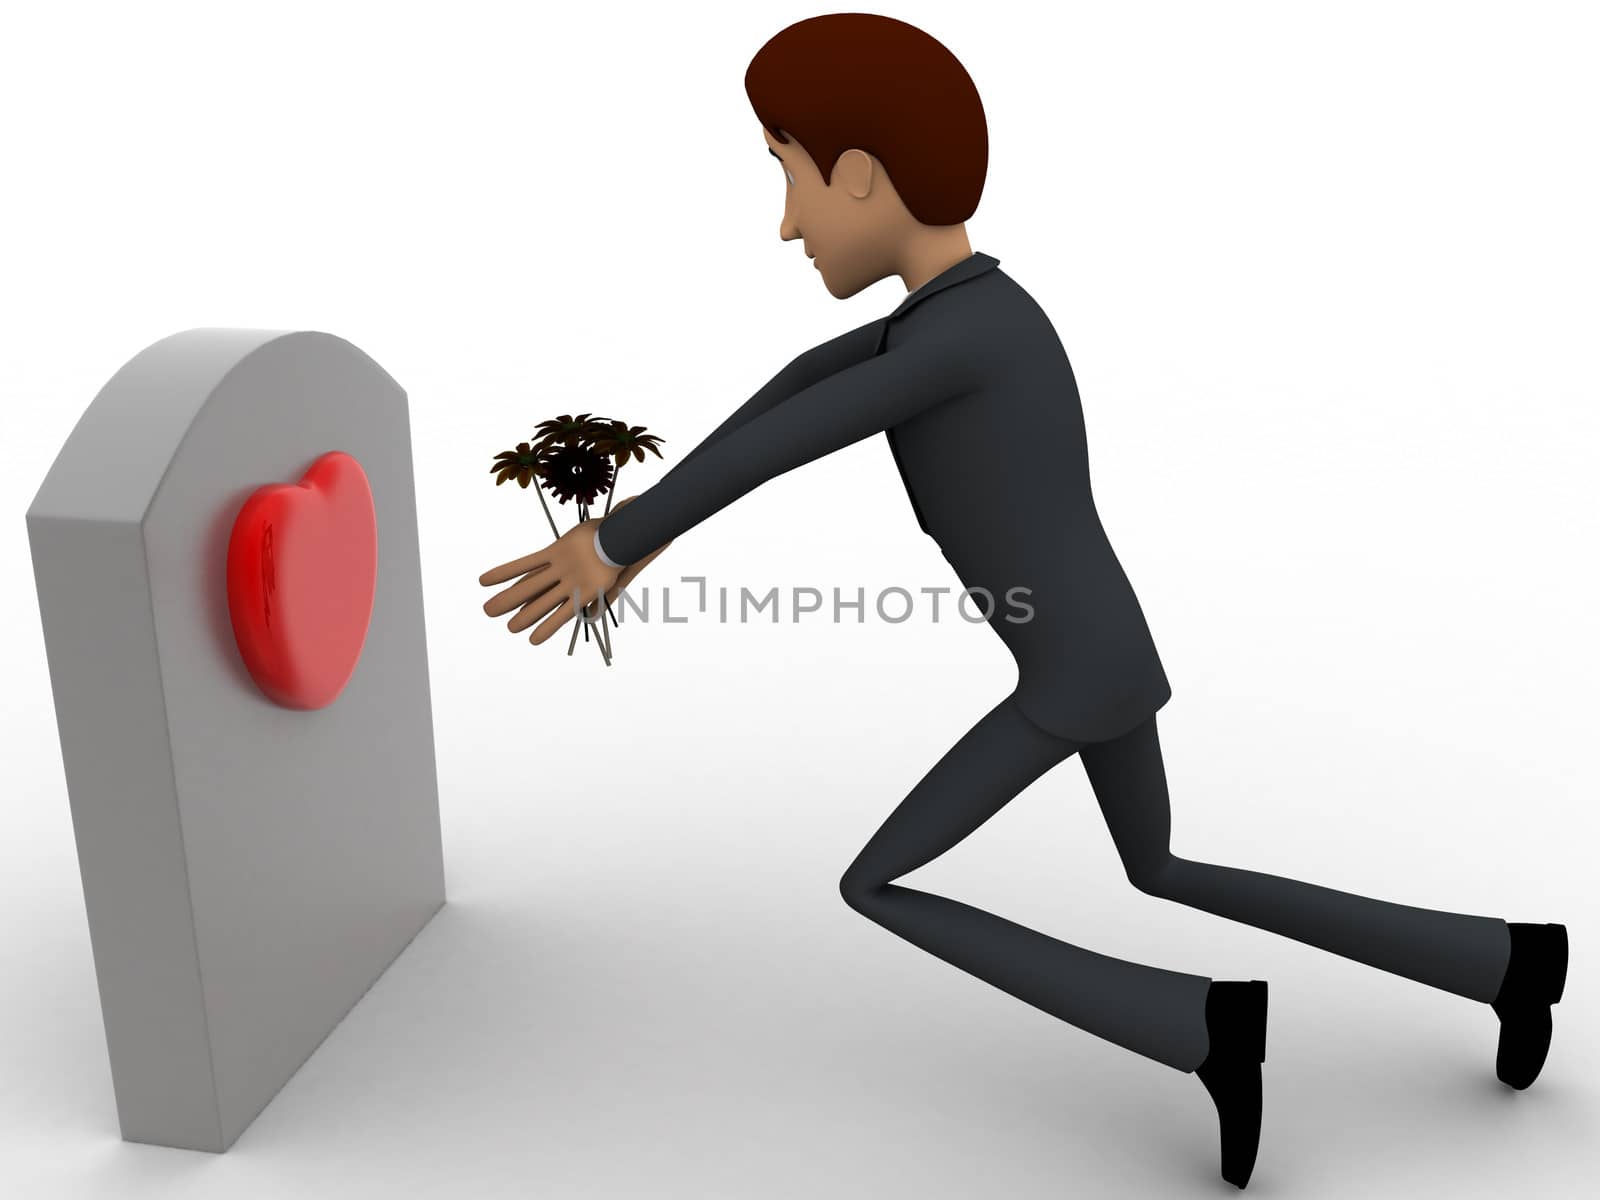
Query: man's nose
787	229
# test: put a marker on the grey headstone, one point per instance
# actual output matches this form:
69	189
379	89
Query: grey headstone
248	869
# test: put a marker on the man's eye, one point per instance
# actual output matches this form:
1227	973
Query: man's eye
788	176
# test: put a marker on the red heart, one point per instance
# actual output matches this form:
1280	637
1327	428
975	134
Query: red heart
302	571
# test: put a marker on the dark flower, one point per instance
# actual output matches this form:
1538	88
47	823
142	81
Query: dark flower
567	431
575	473
522	464
616	440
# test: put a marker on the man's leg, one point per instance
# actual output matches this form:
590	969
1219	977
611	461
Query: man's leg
1462	954
1158	1013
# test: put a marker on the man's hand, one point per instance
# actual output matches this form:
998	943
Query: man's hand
555	582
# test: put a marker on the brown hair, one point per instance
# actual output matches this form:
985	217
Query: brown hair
863	81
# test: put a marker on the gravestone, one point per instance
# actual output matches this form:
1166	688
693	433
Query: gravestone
249	866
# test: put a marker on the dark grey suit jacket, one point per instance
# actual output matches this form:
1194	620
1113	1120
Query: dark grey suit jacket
970	383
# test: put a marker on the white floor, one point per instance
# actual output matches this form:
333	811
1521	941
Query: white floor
658	992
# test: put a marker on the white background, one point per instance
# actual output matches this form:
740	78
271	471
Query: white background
1326	274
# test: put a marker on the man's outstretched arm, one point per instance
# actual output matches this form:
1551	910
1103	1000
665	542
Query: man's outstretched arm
801	372
824	359
835	411
935	364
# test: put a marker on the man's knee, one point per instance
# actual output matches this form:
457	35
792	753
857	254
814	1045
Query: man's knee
1152	873
856	887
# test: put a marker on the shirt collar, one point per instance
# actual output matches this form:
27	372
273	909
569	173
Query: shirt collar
973	265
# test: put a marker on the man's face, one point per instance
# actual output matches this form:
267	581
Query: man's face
849	226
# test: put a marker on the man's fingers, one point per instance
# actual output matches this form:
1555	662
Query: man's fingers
518	594
561	615
541	605
525	589
572	601
519	566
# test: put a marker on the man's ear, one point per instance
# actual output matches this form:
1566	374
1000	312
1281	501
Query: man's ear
855	171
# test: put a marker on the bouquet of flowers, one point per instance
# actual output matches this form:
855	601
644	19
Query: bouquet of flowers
577	459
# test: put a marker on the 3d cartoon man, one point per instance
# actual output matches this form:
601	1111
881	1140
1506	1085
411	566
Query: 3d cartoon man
883	148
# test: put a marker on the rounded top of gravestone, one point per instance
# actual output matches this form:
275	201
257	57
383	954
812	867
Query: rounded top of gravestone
112	464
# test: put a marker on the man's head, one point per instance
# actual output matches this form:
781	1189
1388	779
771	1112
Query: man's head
881	137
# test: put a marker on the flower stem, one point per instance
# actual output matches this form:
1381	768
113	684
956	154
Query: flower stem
554	531
611	495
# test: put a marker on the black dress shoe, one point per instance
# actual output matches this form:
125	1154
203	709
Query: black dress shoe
1236	1022
1534	980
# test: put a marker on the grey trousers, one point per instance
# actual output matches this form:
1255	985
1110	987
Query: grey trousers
1158	1013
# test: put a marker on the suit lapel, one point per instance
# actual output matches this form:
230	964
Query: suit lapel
968	268
973	265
